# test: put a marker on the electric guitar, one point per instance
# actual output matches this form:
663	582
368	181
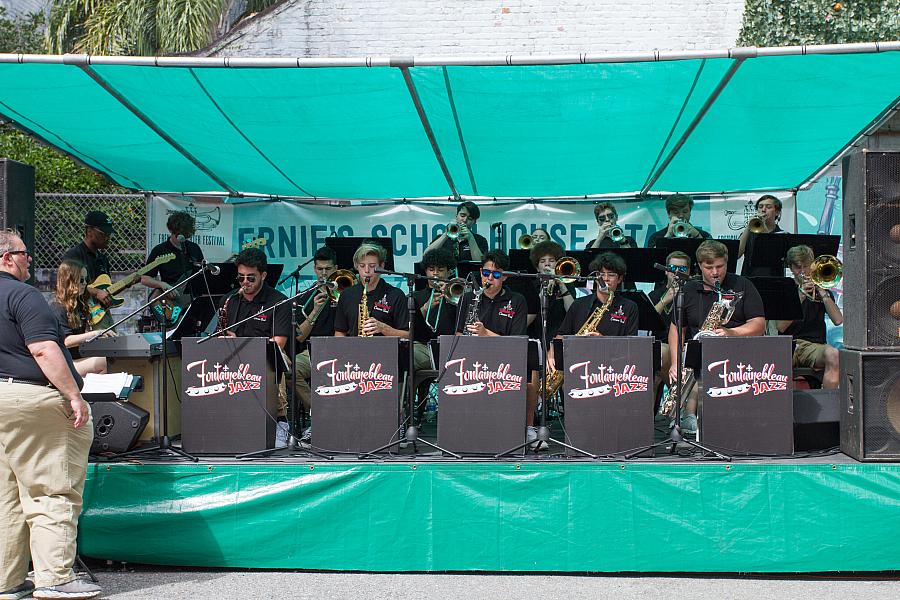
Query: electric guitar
97	311
257	243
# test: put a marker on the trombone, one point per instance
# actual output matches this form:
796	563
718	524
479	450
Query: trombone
525	241
825	272
452	291
568	269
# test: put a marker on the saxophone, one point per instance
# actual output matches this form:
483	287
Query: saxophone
472	315
363	310
555	379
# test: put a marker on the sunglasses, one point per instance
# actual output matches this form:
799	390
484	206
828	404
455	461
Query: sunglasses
605	218
22	252
249	278
489	273
679	268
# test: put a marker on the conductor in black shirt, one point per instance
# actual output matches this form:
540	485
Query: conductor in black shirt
811	350
467	245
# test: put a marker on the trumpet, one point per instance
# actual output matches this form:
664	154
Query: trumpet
453	230
680	229
757	224
567	269
616	234
525	241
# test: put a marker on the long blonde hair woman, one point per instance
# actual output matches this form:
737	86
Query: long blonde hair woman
69	303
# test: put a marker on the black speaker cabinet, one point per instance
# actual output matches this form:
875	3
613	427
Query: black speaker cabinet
17	199
870	405
871	182
117	426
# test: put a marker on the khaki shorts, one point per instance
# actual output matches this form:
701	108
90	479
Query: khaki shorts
809	355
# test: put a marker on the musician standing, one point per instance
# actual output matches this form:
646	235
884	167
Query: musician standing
468	246
607	218
45	435
182	227
748	318
387	304
811	350
316	319
678	208
253	296
768	209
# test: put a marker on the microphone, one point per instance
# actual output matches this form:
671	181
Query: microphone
214	270
203	264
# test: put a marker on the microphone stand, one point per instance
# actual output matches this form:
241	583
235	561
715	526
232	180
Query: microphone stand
543	431
412	431
295	274
675	436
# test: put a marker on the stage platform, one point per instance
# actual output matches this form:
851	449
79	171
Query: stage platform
668	514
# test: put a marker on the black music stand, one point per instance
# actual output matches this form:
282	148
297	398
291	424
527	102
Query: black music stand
780	299
689	246
345	247
770	255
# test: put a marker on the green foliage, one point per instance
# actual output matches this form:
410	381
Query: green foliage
22	35
798	22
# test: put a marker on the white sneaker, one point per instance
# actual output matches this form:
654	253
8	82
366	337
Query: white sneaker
282	434
531	437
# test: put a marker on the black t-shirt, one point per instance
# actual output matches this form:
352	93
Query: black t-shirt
465	252
181	266
25	318
812	326
96	263
698	299
748	270
265	325
323	327
62	317
386	304
608	244
556	311
505	314
655	296
661	234
444	323
621	318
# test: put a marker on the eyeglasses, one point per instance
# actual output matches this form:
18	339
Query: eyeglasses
25	253
250	278
605	218
489	273
679	268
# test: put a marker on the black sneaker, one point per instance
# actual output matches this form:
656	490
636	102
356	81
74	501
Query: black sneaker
20	591
75	589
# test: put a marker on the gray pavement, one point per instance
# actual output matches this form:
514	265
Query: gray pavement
158	583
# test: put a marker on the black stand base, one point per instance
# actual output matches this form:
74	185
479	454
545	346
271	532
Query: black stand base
543	433
293	445
85	568
412	437
675	438
163	448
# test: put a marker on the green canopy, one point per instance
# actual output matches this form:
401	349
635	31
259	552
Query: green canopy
745	120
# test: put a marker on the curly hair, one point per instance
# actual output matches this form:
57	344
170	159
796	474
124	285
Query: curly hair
68	292
181	223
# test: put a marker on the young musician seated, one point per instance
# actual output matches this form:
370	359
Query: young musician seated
663	298
254	295
500	311
69	304
748	318
544	256
387	304
678	208
768	209
316	319
436	312
811	350
468	245
539	236
607	217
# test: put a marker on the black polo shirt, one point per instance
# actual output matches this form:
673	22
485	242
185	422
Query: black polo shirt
608	244
698	299
25	318
812	326
655	296
323	327
183	264
653	240
96	263
505	314
620	319
556	311
445	323
747	269
386	304
465	251
265	325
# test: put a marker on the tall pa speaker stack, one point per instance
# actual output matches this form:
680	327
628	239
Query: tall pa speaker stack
870	362
17	199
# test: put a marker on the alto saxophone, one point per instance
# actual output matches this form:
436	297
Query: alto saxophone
555	378
363	310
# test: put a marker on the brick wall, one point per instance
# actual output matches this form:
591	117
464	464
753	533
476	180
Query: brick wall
356	28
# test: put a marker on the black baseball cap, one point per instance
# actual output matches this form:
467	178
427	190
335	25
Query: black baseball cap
100	220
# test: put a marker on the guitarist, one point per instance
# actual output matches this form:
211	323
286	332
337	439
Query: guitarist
98	228
181	226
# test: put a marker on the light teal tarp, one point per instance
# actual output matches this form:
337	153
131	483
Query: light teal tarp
503	131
